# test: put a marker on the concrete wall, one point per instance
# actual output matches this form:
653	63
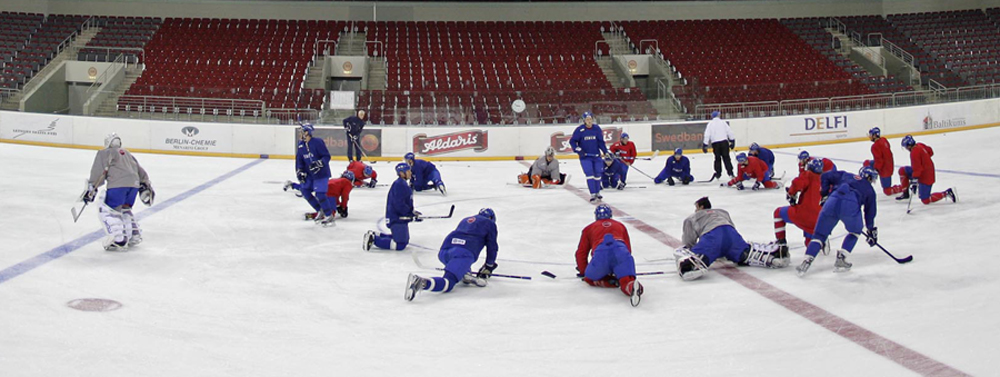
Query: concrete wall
483	11
51	96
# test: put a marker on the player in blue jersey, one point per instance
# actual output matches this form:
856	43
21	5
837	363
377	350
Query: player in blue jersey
765	155
845	204
678	166
425	175
458	252
614	173
312	167
398	212
588	142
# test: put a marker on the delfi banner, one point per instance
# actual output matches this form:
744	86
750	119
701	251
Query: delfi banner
821	127
180	137
30	127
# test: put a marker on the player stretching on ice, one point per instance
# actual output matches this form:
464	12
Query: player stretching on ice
458	252
804	159
611	264
881	160
117	167
852	194
765	155
751	168
338	190
425	175
545	171
361	173
625	152
678	167
721	138
588	142
614	173
398	211
803	196
312	167
919	176
709	234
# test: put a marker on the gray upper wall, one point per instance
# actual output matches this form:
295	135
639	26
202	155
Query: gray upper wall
485	11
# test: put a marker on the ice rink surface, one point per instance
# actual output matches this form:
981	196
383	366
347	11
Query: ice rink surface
230	281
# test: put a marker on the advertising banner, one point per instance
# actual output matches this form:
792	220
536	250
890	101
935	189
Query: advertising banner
169	136
336	141
17	126
820	127
560	140
670	136
476	140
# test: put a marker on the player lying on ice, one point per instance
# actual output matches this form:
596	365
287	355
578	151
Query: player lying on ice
544	172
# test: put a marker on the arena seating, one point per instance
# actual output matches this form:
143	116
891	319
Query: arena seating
253	60
119	32
30	41
967	42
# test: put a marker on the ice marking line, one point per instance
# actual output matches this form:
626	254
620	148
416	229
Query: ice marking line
861	336
69	247
959	172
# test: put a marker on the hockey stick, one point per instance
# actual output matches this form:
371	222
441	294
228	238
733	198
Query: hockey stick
357	144
909	202
650	158
421	217
76	214
908	259
500	275
553	276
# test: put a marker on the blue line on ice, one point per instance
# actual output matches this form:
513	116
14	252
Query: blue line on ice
69	247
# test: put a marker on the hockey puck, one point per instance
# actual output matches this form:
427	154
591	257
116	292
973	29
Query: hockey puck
548	274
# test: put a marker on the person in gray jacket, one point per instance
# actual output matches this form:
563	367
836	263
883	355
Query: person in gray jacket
125	179
545	171
709	234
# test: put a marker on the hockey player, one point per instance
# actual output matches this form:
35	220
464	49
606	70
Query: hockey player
804	159
607	243
398	212
624	150
614	173
881	160
803	209
458	252
588	142
545	171
353	125
721	138
425	175
312	167
678	166
362	172
125	178
919	176
853	194
751	168
339	191
709	234
765	155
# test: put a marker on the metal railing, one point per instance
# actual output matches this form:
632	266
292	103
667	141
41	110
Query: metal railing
112	54
116	66
379	49
292	116
140	106
6	93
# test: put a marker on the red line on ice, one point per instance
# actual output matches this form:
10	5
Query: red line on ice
861	336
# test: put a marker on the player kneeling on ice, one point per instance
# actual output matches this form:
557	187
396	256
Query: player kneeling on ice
611	265
361	173
116	167
803	199
545	171
804	159
852	193
919	176
678	167
458	252
337	190
614	173
751	167
765	155
398	211
881	160
709	234
425	175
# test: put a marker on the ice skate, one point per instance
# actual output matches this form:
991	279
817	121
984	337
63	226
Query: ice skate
474	279
802	268
112	245
783	249
134	240
594	199
288	185
635	292
841	265
414	284
905	196
950	194
327	221
440	187
368	241
309	216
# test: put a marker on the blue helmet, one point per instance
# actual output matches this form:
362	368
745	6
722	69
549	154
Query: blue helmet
602	212
803	155
369	171
875	131
624	135
409	156
488	213
741	158
402	167
308	128
815	166
586	114
908	141
678	152
715	114
868	172
349	175
754	147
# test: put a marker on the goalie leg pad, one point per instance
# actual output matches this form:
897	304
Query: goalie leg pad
114	226
763	255
132	229
690	266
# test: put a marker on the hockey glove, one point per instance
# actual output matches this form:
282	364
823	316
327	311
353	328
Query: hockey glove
146	194
89	194
315	166
732	144
913	185
704	148
301	175
371	183
670	181
578	150
486	270
792	199
823	201
872	236
416	216
756	186
342	211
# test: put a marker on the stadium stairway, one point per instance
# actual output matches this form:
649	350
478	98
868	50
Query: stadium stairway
13	103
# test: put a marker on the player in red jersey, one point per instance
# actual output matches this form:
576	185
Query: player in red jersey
803	197
921	172
751	167
804	159
611	264
625	151
361	173
881	160
338	190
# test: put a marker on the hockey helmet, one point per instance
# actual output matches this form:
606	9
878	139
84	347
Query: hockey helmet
586	114
409	157
908	141
349	175
715	114
869	173
815	166
678	152
402	167
549	151
754	147
741	158
112	141
307	128
624	135
803	155
369	171
875	132
488	213
602	212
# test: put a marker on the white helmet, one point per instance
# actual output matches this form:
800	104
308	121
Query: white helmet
550	151
112	141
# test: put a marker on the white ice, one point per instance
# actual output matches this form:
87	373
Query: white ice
231	281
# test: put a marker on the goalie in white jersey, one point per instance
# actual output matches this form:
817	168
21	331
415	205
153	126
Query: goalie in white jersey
125	179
